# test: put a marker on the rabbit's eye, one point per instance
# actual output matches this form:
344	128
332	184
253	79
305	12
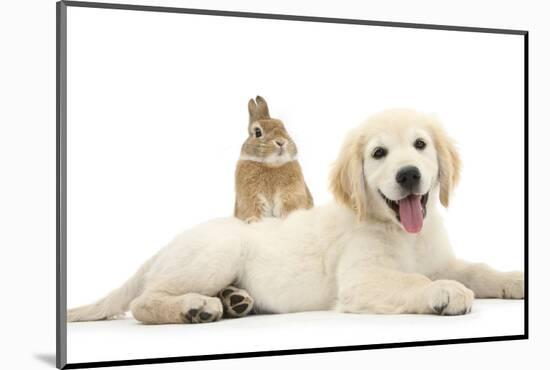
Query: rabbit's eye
258	132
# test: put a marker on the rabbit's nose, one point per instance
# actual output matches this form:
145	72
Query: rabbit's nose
280	142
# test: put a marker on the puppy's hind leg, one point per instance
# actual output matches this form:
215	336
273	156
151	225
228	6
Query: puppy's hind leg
162	308
182	286
187	296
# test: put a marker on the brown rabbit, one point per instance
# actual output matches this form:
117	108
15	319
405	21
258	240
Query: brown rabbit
269	180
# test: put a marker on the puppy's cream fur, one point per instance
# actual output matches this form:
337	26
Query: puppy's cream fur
350	256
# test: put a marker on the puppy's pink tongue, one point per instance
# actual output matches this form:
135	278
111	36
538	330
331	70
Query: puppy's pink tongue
410	213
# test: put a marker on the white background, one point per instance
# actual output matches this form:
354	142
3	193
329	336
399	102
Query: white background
28	151
157	112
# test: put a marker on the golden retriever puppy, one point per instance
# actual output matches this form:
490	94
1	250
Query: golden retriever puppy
380	248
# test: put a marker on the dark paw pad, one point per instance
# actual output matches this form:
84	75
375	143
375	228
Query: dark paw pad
235	299
205	316
197	316
441	306
439	309
236	302
226	292
240	308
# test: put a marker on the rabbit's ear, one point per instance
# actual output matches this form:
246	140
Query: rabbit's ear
262	110
257	109
252	110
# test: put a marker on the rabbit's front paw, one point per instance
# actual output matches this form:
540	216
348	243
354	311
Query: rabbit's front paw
252	219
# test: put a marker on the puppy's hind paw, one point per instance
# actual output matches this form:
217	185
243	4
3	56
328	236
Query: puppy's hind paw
197	309
236	302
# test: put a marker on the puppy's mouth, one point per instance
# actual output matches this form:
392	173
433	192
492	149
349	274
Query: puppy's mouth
409	211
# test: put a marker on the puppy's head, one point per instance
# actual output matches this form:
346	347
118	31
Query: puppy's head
391	165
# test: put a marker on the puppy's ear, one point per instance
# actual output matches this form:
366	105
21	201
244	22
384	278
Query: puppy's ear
347	178
449	164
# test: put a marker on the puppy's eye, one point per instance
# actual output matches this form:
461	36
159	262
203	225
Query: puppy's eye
379	153
419	144
258	132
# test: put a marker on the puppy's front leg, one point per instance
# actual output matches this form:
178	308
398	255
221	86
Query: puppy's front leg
485	281
373	289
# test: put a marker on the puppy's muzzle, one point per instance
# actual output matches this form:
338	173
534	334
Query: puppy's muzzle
408	178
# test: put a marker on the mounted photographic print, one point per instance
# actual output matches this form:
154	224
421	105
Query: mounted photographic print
239	184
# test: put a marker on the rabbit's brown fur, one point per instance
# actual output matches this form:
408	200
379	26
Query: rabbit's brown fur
268	180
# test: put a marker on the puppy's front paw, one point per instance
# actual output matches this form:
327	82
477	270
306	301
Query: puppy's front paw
512	285
448	297
236	302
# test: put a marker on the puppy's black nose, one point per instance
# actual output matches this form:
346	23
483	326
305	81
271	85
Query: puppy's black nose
408	177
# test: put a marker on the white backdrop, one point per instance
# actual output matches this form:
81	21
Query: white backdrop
27	193
157	113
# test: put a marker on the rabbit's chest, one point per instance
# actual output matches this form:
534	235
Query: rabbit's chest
272	206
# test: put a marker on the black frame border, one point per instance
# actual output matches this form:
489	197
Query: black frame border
61	186
61	183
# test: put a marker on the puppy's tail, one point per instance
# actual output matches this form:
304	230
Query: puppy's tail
115	303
